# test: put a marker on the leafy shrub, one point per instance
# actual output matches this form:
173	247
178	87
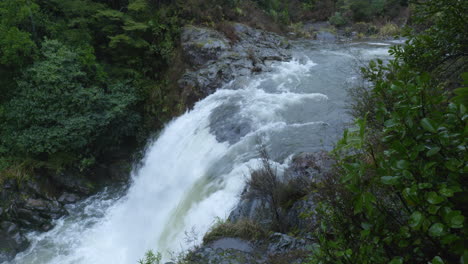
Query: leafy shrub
400	196
62	105
389	30
337	20
404	202
151	258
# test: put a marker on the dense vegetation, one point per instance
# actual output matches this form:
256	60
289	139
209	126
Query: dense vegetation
81	79
399	192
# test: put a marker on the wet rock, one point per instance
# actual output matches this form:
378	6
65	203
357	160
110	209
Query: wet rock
217	61
11	241
68	198
281	243
38	214
253	209
227	124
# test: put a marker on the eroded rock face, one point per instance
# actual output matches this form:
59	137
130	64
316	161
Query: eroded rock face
217	60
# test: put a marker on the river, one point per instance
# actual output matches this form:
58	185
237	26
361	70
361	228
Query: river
193	173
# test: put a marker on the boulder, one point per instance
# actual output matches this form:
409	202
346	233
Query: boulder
68	198
280	243
38	214
11	241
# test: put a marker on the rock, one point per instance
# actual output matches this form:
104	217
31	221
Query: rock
301	216
217	61
207	255
68	198
281	243
232	243
73	183
202	44
11	241
38	213
253	209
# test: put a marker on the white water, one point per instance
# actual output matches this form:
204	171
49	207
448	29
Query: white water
193	173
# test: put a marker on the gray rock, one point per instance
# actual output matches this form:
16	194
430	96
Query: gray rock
301	216
216	61
201	45
38	213
68	198
253	209
280	243
232	243
11	241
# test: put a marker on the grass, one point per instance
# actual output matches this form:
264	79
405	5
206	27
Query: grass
244	229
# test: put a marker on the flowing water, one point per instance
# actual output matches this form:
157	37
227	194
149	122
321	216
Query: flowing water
195	170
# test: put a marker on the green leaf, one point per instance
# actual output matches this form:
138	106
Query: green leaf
447	192
455	219
389	180
436	230
403	164
434	198
437	260
432	151
427	124
416	219
396	260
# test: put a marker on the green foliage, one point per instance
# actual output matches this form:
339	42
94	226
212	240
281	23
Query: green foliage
407	200
337	20
443	42
151	258
367	10
71	73
401	197
63	105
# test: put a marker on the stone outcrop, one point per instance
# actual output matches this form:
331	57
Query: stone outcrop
216	59
277	247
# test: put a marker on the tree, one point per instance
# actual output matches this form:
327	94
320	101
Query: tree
63	104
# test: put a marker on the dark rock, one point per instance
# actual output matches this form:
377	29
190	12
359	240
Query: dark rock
68	198
11	241
74	183
38	213
301	216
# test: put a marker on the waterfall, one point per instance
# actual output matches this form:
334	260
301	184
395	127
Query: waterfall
195	170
